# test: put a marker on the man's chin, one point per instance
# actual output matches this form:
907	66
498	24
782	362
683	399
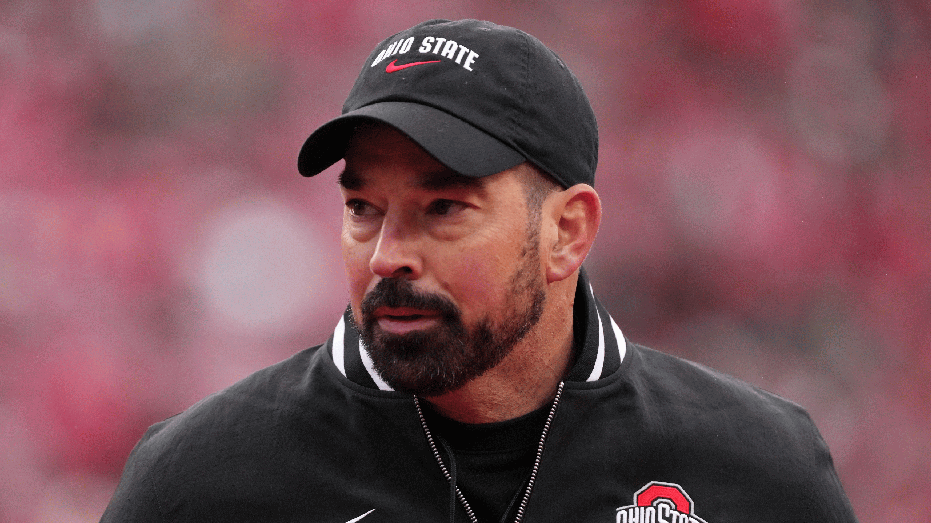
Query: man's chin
420	364
409	347
433	361
416	376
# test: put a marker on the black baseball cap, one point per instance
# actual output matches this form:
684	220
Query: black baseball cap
480	97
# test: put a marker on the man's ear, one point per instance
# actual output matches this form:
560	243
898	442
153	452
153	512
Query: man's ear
576	214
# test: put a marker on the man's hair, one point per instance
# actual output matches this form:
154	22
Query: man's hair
537	186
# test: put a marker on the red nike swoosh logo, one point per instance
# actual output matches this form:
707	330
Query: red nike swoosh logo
391	68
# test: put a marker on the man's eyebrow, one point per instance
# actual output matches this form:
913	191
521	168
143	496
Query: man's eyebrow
448	179
431	181
349	180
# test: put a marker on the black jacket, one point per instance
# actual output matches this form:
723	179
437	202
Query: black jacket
638	436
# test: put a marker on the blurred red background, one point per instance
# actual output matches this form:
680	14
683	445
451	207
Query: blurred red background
764	168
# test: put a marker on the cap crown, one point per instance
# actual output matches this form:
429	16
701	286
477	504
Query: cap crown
496	78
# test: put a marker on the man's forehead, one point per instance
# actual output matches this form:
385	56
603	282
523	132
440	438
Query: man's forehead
437	179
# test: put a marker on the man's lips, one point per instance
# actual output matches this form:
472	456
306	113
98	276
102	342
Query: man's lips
401	320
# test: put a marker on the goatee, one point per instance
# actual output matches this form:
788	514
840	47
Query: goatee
445	357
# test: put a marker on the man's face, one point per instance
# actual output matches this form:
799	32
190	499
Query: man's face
444	271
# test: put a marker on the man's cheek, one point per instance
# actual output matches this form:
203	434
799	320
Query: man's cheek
479	282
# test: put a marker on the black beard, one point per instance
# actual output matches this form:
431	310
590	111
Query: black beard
445	357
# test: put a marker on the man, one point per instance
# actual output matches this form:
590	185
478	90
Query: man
474	376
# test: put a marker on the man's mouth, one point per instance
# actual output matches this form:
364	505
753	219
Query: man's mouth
401	320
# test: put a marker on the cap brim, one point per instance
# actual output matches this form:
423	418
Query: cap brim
456	144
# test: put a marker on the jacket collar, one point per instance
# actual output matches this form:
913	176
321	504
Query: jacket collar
599	343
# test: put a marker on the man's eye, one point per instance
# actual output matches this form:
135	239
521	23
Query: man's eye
445	207
360	208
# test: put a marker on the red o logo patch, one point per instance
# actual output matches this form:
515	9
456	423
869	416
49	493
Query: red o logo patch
659	502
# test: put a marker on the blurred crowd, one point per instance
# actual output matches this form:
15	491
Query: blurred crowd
764	166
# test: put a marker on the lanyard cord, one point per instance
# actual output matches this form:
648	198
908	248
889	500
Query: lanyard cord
533	473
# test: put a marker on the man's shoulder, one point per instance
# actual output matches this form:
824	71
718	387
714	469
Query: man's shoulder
688	384
229	434
243	415
690	401
279	387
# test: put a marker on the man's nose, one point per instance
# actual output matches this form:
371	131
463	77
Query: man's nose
397	253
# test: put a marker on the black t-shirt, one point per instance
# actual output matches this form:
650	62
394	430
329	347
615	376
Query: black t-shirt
493	460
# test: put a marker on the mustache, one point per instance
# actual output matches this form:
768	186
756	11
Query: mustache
400	292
